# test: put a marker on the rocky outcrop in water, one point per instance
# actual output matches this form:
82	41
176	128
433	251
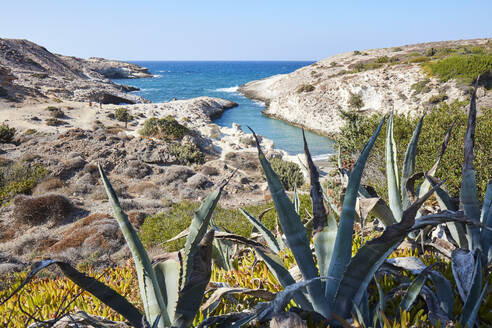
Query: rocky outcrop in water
35	73
376	80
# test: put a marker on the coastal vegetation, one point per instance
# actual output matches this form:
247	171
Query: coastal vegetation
123	115
164	128
18	178
289	173
6	133
187	153
436	122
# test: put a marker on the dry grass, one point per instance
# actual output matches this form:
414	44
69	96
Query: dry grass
48	185
140	187
38	210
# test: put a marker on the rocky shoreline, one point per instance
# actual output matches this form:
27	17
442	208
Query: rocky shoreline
30	73
382	79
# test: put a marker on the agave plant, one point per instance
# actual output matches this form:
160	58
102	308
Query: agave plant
339	283
171	292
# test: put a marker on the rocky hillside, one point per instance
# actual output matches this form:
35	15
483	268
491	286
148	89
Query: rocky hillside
34	72
375	80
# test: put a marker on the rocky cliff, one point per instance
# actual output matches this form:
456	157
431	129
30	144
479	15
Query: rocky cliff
375	80
37	73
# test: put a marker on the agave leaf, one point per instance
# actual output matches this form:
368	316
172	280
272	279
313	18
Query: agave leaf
295	234
369	258
380	306
104	293
150	293
296	201
413	291
360	317
457	230
191	294
446	216
197	230
276	266
444	290
267	234
462	266
180	235
409	163
282	298
324	242
486	218
316	192
343	242
222	253
474	298
380	209
468	191
392	172
426	185
167	274
219	293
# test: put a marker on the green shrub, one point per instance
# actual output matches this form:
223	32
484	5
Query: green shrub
290	174
420	87
19	178
421	59
6	133
29	132
56	112
355	101
464	68
53	122
164	128
122	115
397	49
382	59
356	52
187	153
436	99
357	129
305	88
163	226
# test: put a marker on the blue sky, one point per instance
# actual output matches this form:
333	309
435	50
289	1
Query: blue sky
237	29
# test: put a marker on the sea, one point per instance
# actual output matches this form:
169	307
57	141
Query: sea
189	79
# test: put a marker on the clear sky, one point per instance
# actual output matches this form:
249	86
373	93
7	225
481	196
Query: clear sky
237	29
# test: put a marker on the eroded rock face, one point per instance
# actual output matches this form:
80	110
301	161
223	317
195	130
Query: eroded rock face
35	72
313	96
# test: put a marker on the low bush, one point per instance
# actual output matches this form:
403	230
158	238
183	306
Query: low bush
19	178
6	133
122	115
357	129
355	101
48	185
464	68
38	210
356	52
163	226
164	128
289	173
397	49
439	98
187	153
56	112
29	132
305	88
420	87
382	59
53	122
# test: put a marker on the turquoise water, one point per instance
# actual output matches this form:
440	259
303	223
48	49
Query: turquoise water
184	80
